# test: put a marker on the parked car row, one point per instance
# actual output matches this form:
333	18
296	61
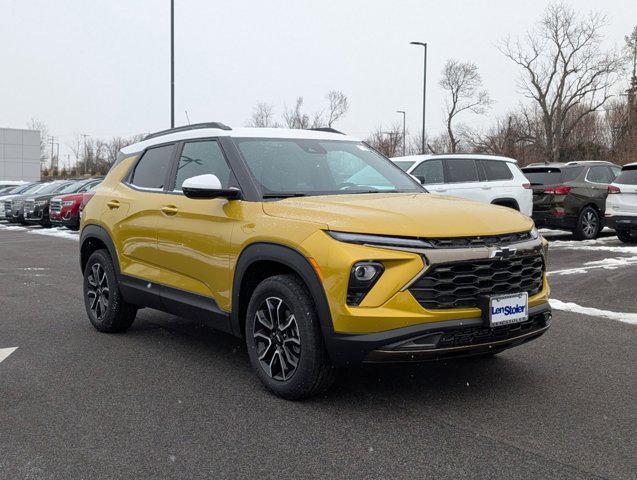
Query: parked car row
56	202
582	197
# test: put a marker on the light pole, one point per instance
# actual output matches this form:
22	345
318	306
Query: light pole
172	63
424	94
404	118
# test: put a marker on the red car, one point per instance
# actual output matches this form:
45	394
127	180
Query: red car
65	210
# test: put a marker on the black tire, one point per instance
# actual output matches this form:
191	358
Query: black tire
588	224
106	309
626	237
313	372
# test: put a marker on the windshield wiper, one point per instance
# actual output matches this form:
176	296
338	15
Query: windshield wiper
284	194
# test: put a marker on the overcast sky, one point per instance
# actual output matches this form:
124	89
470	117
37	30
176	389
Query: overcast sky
101	67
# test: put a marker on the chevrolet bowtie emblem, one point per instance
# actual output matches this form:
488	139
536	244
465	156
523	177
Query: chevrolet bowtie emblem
503	253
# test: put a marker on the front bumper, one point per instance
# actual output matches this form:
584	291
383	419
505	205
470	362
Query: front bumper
38	215
621	222
66	219
438	340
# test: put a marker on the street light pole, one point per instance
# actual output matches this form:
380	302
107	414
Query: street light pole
172	63
424	94
404	138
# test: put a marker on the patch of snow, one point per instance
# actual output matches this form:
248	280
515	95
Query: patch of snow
630	318
57	232
606	264
14	228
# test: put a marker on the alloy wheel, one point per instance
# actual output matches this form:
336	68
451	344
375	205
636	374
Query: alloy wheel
590	223
98	293
277	340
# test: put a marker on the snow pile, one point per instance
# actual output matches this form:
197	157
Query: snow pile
630	318
57	232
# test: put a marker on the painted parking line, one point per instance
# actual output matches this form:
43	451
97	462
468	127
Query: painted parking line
630	318
5	352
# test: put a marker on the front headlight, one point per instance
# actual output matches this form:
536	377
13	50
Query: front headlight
68	203
379	240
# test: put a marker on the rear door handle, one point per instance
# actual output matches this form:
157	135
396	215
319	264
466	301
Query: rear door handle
112	204
169	210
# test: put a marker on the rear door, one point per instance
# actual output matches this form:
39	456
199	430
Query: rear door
132	213
462	179
497	179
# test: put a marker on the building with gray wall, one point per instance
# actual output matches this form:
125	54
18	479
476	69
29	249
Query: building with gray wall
19	154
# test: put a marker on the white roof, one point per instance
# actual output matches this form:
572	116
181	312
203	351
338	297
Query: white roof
634	164
236	133
419	158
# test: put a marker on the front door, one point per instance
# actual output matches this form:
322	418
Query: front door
194	234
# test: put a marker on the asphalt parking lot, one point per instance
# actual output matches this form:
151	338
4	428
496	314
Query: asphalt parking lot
175	399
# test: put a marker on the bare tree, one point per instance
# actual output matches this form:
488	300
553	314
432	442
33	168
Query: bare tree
387	141
263	116
462	83
295	117
338	106
564	67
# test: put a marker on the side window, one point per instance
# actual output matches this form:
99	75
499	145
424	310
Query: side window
570	174
495	170
461	170
152	168
599	174
430	172
201	158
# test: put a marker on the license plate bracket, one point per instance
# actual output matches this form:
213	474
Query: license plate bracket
506	309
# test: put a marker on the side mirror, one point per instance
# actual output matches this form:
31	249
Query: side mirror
419	178
207	186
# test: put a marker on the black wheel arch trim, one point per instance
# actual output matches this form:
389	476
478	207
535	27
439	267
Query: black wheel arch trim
293	259
500	201
100	233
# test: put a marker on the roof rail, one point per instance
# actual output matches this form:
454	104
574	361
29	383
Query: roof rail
589	161
326	129
185	128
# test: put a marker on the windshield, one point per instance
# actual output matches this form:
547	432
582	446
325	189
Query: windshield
52	187
543	176
404	164
294	167
628	176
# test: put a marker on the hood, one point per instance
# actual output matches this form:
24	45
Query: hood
47	196
70	196
408	214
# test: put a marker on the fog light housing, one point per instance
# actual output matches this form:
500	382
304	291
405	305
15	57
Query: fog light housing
362	278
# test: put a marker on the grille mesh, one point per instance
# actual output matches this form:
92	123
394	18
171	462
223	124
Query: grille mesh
55	206
462	284
483	241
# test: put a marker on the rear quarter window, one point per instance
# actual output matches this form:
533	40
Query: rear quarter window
494	170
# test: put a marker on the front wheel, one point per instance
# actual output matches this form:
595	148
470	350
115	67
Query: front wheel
588	224
284	340
106	309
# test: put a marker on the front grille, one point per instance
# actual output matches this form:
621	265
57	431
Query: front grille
483	334
462	284
29	205
482	241
55	206
7	208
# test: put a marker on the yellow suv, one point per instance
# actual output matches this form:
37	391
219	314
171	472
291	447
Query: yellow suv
312	246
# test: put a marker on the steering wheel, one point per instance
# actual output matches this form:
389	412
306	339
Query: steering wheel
346	186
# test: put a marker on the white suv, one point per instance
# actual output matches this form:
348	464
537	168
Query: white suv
485	178
621	204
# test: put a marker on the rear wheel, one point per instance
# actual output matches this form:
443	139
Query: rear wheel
106	309
588	224
626	236
284	340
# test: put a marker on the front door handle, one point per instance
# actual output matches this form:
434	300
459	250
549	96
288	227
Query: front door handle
169	210
112	204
